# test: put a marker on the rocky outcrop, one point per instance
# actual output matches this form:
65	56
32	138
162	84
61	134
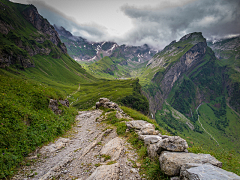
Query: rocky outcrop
113	148
108	172
174	61
206	171
106	103
31	14
171	162
173	143
53	105
174	159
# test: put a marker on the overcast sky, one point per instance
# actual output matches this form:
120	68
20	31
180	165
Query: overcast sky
136	22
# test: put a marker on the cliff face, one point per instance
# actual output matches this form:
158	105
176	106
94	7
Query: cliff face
170	65
228	52
25	33
31	14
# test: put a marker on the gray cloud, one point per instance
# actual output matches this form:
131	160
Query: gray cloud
158	25
90	31
162	24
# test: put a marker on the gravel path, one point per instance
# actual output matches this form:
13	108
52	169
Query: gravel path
77	154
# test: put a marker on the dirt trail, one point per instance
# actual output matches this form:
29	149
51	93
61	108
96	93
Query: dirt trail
76	156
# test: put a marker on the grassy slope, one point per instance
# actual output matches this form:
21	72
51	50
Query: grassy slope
200	141
26	120
109	67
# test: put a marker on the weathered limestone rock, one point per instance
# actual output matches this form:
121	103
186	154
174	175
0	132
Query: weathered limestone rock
171	162
206	172
142	127
113	148
64	102
53	105
59	144
119	115
106	172
151	139
153	151
106	103
137	124
173	143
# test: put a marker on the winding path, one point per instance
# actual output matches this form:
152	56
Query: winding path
203	127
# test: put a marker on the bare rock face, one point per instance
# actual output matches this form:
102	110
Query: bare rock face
106	103
53	105
106	172
206	171
142	127
113	148
173	143
59	144
64	102
171	162
31	14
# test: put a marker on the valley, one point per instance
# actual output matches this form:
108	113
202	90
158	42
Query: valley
190	88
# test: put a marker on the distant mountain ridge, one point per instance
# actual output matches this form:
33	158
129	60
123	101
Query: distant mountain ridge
81	49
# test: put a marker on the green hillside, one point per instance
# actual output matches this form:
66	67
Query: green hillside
109	67
35	68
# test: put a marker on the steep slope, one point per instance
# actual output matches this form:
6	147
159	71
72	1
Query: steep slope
171	64
228	52
188	89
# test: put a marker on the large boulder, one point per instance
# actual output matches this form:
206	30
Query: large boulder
107	172
142	127
171	162
206	172
113	148
173	143
150	139
106	103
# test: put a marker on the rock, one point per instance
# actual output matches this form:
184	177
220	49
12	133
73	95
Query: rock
106	103
106	172
142	127
173	143
53	105
113	148
64	102
153	151
59	144
103	100
175	178
151	139
119	115
171	162
136	124
206	171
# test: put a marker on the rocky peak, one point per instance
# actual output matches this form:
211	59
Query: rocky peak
31	14
62	31
195	37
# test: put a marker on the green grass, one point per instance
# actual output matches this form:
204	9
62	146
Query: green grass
26	120
224	129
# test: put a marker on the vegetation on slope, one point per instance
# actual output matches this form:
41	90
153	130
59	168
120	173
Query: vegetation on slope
26	120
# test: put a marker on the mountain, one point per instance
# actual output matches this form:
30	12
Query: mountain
81	49
228	53
192	93
37	74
